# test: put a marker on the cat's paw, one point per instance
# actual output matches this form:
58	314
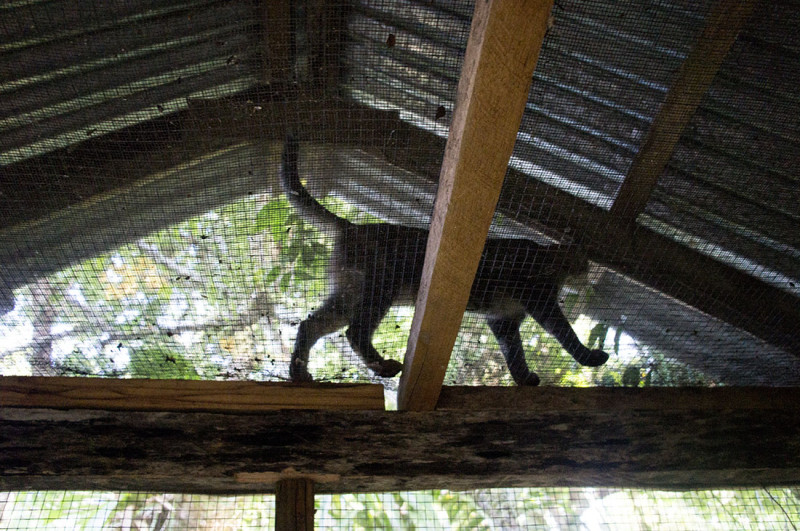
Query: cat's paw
594	358
531	380
386	368
299	373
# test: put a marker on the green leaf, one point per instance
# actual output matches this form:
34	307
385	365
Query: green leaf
302	275
292	251
273	274
284	285
631	377
319	248
161	363
569	302
308	255
597	337
272	215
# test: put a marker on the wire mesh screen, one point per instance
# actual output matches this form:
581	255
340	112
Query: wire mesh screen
88	510
554	508
144	231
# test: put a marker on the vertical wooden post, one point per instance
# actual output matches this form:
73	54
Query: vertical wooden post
294	505
502	51
724	21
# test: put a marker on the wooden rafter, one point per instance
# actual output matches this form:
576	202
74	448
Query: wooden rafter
502	51
724	22
278	42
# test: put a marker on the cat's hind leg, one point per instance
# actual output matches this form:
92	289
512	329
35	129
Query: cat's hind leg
548	314
334	314
363	325
506	330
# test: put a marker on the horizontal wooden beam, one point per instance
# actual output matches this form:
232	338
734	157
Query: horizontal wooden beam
184	395
621	399
502	51
579	440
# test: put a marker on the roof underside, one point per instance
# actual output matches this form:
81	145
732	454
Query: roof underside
87	87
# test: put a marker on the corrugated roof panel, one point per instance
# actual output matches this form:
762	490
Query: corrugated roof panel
602	75
81	69
732	180
589	107
63	63
416	74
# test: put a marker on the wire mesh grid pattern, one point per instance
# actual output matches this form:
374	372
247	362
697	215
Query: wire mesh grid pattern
133	510
553	508
145	233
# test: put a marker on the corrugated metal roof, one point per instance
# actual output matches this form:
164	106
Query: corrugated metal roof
731	189
732	180
72	70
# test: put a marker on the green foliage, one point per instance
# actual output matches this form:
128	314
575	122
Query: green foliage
57	510
566	508
302	251
161	363
597	337
400	511
525	508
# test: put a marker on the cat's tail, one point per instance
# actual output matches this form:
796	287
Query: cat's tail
305	204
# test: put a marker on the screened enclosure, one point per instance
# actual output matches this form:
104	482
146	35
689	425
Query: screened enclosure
143	222
488	509
145	233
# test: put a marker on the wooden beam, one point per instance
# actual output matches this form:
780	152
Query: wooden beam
294	505
502	51
723	24
620	399
708	440
278	40
184	395
327	33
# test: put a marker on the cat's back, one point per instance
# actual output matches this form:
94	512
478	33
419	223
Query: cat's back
383	245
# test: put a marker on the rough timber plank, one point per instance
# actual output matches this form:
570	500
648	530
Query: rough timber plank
582	439
617	398
184	395
695	76
502	51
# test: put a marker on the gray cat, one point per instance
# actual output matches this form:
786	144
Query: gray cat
374	266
